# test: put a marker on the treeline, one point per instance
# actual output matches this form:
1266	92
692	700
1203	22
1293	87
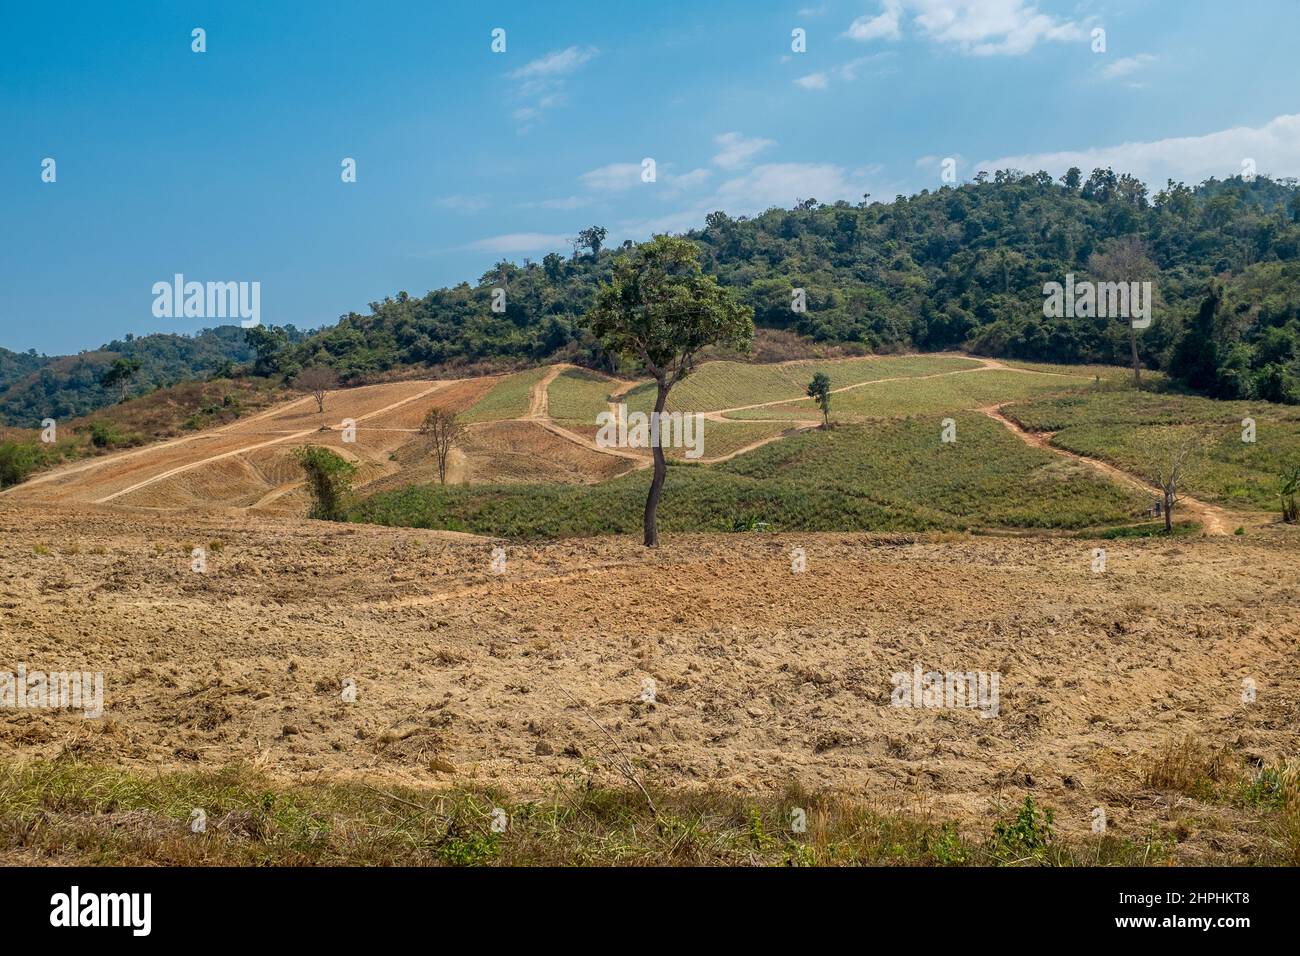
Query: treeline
960	267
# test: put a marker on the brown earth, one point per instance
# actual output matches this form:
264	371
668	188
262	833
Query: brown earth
762	676
248	463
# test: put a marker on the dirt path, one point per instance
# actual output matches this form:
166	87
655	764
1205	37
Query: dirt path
180	469
989	365
539	399
1213	519
106	460
590	443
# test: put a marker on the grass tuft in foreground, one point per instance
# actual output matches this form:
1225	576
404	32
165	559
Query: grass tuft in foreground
70	812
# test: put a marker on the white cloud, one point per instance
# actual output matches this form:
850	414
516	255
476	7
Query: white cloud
977	27
464	203
564	202
520	242
1126	66
736	151
1275	148
781	184
556	63
541	83
845	72
883	26
620	177
696	177
613	177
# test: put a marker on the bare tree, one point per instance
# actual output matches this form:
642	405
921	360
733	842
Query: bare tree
1125	259
318	380
442	428
1170	452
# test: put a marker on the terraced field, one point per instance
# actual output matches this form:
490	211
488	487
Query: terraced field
936	395
508	398
1121	427
716	386
529	463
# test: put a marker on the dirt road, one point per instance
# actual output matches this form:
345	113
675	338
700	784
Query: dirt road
1212	518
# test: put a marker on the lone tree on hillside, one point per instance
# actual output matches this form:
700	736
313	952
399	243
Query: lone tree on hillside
820	389
1170	452
1125	259
443	429
120	373
318	380
660	308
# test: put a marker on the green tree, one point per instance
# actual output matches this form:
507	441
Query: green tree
661	309
1195	360
268	342
120	373
820	389
593	237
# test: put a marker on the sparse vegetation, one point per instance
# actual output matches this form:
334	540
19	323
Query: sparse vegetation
443	430
1288	491
92	815
18	460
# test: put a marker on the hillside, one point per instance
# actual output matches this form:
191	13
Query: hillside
963	266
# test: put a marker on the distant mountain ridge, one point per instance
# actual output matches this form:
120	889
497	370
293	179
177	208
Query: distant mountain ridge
33	387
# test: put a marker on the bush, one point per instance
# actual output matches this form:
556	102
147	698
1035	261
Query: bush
18	460
106	436
329	478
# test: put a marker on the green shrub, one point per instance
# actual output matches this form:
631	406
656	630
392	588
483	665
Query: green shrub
329	478
18	460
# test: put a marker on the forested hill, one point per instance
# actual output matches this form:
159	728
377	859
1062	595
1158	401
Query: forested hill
962	266
33	387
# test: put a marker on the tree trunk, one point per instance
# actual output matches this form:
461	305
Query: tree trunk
657	483
1169	512
1133	347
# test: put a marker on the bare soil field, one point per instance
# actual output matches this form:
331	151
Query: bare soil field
762	676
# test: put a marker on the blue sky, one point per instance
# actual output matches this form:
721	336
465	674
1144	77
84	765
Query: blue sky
225	165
